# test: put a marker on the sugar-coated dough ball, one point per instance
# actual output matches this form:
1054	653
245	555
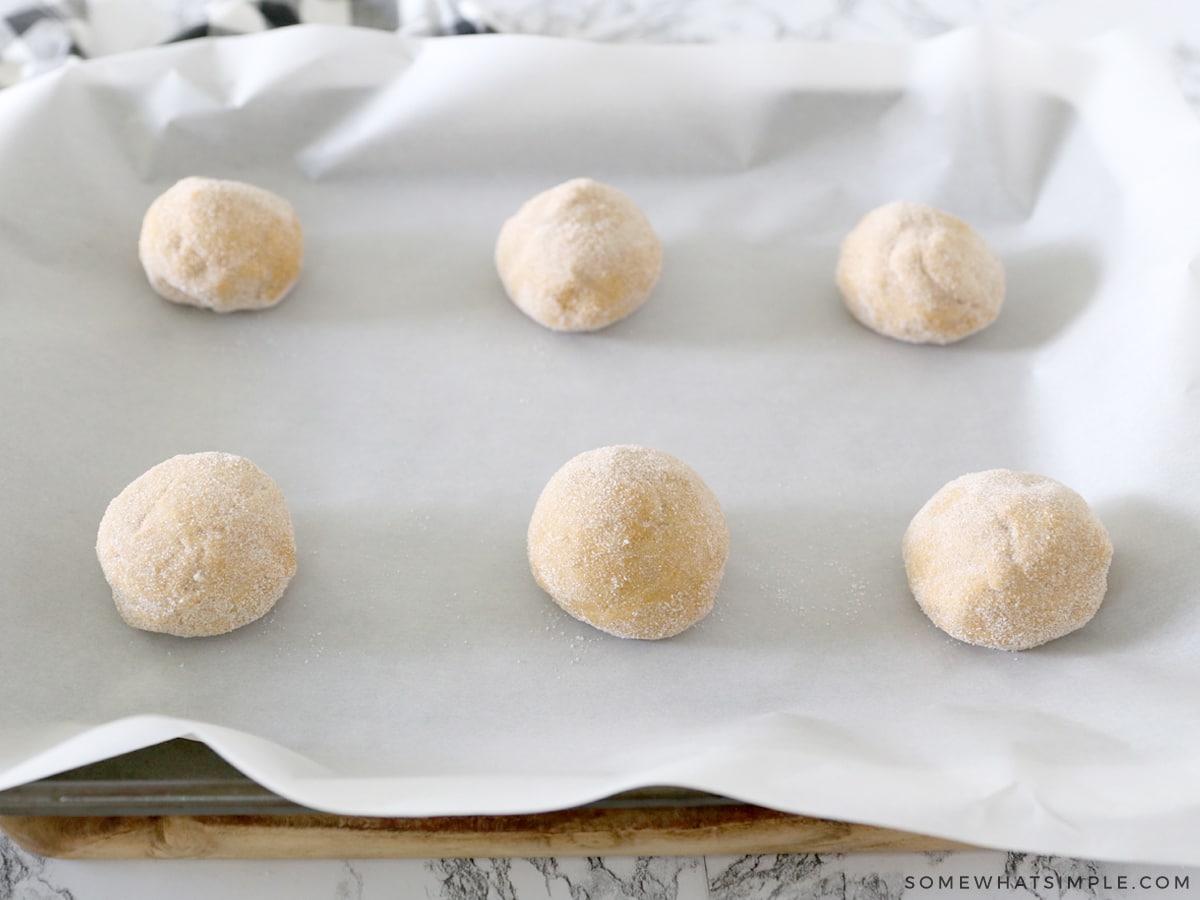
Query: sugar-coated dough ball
223	245
579	256
629	540
1007	559
918	274
198	545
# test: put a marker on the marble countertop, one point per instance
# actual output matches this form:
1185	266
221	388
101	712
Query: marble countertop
1173	26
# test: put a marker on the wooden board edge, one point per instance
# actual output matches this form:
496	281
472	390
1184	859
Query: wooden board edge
695	831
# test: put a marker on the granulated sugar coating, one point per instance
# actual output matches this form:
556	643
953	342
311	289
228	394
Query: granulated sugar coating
917	274
629	540
1007	560
198	545
222	245
579	256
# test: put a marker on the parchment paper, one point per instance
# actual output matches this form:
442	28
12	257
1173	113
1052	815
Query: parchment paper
412	415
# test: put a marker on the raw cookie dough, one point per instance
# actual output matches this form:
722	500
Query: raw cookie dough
917	274
222	245
198	545
629	540
579	256
1007	559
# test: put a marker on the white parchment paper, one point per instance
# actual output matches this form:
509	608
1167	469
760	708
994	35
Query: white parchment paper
411	416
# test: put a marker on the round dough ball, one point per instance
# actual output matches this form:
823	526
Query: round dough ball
222	245
579	256
1007	560
629	540
200	544
917	274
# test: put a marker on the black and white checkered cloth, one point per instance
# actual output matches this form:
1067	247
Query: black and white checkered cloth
37	37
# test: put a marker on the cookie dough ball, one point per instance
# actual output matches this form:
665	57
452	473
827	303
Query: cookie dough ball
917	274
629	540
579	256
200	544
1007	560
223	245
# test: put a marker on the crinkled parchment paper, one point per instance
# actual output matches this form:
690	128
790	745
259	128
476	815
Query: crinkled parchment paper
411	416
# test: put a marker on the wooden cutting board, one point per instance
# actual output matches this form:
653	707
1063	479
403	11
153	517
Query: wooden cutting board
589	831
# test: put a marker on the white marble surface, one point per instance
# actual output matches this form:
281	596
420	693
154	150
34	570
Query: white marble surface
1170	25
767	877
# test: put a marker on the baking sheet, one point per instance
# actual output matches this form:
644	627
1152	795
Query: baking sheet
411	416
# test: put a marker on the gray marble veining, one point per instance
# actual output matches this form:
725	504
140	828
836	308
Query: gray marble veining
350	885
590	878
817	876
979	875
939	876
22	876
